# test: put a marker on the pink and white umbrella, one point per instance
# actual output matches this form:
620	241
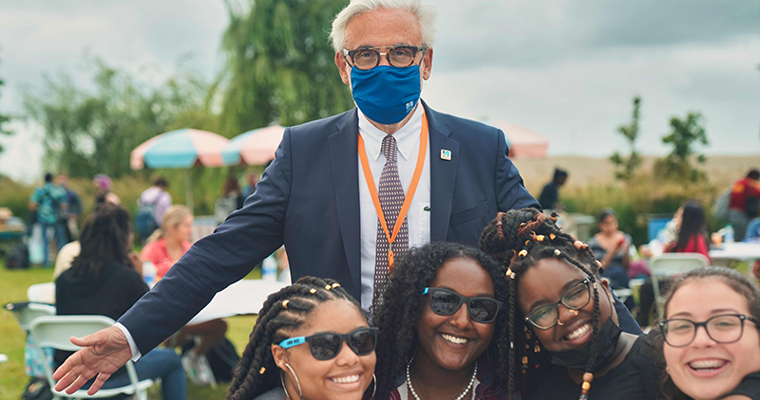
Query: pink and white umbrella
254	147
180	149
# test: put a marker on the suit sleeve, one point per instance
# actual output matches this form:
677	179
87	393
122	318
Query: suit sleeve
511	192
247	236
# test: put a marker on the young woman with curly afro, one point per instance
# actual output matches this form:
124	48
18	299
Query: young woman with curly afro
311	341
441	326
564	337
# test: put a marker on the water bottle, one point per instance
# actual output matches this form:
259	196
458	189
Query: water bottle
269	269
149	273
729	238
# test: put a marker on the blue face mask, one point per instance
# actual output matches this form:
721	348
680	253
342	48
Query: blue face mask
386	94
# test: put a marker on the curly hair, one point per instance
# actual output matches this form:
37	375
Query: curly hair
518	239
734	280
257	372
105	236
400	312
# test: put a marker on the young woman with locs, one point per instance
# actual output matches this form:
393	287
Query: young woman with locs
565	342
712	336
437	325
311	341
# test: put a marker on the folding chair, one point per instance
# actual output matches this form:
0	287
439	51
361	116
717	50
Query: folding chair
669	265
26	312
55	331
42	293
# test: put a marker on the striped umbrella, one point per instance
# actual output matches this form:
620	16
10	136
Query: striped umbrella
182	148
254	147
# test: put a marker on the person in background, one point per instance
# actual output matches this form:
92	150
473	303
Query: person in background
722	359
165	247
744	202
549	198
610	247
102	281
158	197
48	203
250	186
75	207
231	200
103	192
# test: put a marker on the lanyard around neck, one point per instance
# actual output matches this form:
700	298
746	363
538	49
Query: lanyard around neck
409	194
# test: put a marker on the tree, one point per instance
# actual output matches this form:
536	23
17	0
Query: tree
684	135
279	64
3	120
93	132
630	132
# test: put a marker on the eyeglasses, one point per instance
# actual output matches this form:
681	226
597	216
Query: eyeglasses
574	298
369	57
447	302
326	346
725	328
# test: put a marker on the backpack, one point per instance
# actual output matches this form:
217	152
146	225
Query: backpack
222	359
18	257
720	208
145	218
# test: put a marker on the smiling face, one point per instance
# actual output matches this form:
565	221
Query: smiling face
344	377
456	341
545	283
706	369
381	28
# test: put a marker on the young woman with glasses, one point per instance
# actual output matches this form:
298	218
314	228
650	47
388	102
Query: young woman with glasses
565	342
437	324
712	336
311	341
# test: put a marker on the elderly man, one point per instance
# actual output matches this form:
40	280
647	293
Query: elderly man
345	194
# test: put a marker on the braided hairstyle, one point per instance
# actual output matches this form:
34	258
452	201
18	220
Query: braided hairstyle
518	239
257	372
400	311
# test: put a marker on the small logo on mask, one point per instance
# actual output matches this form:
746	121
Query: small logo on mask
409	106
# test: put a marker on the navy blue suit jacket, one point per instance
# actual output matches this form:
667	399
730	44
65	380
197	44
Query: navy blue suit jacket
308	200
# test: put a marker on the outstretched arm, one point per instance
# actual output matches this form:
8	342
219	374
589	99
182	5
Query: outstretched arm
102	354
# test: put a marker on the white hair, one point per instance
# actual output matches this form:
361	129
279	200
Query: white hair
424	13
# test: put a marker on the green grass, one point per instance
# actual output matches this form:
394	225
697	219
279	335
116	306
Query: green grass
13	379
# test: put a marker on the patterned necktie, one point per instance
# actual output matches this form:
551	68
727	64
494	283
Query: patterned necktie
391	196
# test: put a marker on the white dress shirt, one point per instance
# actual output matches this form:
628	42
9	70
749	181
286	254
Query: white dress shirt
418	217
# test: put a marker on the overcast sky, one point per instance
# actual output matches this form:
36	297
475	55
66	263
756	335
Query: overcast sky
565	68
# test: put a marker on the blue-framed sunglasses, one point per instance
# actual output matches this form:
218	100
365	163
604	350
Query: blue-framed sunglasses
447	302
326	346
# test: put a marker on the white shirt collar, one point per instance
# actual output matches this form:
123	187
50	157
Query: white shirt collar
406	137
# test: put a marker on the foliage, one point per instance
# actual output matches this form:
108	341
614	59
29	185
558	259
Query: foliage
279	64
684	135
93	132
629	164
3	119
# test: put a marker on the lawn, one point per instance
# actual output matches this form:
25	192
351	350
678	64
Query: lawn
13	380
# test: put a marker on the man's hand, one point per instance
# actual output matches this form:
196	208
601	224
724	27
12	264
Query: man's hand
102	354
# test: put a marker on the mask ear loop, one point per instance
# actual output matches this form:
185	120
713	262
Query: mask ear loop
300	393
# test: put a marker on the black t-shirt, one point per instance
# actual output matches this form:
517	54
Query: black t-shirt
636	378
549	196
111	293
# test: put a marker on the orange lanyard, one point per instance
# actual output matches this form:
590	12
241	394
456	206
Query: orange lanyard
409	194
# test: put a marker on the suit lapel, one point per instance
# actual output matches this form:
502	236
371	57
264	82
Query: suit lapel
442	174
345	173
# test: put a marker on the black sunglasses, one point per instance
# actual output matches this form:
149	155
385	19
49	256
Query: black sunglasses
326	346
446	302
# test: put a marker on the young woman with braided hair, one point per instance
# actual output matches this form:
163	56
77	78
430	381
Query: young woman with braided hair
311	341
437	325
563	333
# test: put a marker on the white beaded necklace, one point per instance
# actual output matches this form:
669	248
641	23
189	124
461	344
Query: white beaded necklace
460	397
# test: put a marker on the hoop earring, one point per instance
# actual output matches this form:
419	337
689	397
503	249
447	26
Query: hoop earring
300	393
284	389
374	387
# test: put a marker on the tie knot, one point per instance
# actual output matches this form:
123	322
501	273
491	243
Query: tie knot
389	148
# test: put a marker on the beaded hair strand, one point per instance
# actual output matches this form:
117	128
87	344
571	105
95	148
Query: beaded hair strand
282	312
518	239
